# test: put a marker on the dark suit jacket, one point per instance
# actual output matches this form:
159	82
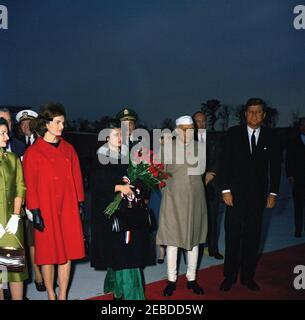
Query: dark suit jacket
295	160
17	146
214	148
251	177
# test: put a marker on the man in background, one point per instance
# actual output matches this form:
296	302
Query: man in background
295	170
211	180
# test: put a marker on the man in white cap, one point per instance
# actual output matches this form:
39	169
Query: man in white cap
24	118
183	213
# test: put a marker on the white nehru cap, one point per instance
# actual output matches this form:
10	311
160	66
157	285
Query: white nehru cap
184	120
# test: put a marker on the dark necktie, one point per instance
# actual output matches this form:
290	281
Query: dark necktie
253	143
28	142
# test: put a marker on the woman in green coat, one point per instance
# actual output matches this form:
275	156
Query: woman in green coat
12	191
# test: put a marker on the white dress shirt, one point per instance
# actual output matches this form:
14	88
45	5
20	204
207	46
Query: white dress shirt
32	139
256	134
202	135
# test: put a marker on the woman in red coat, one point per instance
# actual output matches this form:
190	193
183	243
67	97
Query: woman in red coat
54	192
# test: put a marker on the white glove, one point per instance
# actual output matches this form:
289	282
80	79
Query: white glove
29	214
2	231
12	225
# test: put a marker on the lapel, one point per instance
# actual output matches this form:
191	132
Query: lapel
245	139
261	139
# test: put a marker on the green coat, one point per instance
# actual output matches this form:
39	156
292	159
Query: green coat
11	186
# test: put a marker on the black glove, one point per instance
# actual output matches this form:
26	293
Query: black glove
37	220
82	212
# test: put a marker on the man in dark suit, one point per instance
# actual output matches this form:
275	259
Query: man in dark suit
295	169
211	180
14	145
24	118
250	179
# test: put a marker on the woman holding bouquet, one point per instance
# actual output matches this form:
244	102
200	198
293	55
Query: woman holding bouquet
120	243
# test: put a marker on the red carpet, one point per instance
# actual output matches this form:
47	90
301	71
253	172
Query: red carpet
274	275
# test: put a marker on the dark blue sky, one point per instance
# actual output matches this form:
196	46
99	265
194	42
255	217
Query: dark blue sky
160	57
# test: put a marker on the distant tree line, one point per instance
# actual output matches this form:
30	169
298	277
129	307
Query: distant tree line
220	117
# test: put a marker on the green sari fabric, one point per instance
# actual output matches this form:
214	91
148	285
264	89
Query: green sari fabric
126	283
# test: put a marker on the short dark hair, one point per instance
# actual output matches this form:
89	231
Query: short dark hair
255	102
4	109
114	124
199	111
3	122
46	114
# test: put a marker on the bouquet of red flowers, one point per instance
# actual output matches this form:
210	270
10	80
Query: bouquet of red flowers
147	169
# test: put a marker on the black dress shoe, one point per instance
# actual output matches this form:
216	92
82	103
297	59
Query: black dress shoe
169	289
195	287
251	285
218	256
226	285
40	286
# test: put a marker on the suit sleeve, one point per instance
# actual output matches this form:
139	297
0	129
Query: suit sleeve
275	164
77	175
31	175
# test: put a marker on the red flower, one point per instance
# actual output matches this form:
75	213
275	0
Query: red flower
165	175
155	174
162	184
160	166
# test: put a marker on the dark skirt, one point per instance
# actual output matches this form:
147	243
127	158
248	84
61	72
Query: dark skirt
110	249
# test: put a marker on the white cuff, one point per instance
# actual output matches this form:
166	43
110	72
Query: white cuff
226	191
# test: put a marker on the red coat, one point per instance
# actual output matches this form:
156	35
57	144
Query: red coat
54	185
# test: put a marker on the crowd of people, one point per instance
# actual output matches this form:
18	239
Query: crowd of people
42	200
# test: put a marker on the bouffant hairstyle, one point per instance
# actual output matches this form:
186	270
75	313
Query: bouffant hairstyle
3	122
46	114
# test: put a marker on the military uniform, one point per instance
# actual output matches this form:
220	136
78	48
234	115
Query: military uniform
21	116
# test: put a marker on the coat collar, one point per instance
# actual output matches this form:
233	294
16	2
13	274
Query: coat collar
46	148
